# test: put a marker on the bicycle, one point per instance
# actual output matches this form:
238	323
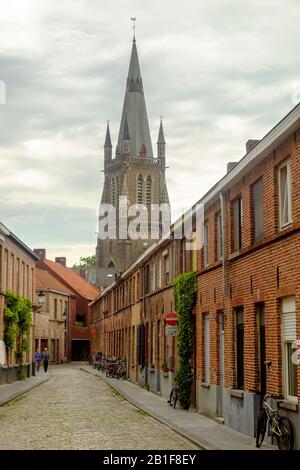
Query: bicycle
173	395
276	425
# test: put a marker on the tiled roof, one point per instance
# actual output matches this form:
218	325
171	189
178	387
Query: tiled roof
72	280
45	280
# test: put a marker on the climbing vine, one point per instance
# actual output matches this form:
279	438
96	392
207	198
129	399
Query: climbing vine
17	317
185	291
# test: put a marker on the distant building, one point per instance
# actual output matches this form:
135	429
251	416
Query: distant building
79	315
134	173
17	274
51	326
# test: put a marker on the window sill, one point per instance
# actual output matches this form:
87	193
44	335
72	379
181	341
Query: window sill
151	371
205	385
289	405
166	375
237	393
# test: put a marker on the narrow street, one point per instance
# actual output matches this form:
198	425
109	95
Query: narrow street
76	410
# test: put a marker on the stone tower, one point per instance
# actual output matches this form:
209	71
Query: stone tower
134	173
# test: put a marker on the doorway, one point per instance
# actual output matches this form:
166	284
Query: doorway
260	319
221	389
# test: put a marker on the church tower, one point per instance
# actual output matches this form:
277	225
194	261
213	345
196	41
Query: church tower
134	172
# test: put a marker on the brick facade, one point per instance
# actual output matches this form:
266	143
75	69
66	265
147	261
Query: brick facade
242	292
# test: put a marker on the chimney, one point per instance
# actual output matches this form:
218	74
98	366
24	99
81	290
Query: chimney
250	144
40	252
230	166
61	260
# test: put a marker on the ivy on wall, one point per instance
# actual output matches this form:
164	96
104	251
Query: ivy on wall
185	292
17	318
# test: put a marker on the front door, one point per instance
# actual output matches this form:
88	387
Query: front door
260	315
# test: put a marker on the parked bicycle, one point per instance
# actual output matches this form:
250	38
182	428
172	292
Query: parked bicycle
278	426
173	395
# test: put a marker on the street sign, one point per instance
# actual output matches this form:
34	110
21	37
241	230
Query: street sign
171	330
171	319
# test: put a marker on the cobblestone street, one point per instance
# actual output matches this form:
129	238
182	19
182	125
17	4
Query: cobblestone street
76	410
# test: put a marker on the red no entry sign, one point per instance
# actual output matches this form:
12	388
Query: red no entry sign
171	319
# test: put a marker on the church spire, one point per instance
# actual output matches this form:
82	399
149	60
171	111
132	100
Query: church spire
107	143
134	110
107	146
161	146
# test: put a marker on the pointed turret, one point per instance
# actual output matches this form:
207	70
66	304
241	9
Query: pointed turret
135	112
126	138
161	146
107	146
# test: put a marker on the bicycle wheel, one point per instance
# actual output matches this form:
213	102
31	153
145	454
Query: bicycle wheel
173	398
286	440
261	427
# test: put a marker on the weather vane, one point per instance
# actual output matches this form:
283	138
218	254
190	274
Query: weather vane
134	26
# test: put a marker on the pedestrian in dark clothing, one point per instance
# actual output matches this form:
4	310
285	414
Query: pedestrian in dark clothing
45	359
37	358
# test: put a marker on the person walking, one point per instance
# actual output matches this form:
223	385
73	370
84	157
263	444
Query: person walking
45	359
37	358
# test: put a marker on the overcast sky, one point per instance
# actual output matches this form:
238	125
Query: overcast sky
219	73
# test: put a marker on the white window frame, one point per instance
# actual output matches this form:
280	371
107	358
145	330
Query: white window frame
289	199
285	358
206	245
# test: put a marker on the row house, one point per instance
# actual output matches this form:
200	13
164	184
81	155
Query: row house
17	274
82	293
51	326
246	318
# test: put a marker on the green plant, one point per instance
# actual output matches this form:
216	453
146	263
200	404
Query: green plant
17	319
185	292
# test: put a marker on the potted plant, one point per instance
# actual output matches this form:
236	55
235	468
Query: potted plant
164	367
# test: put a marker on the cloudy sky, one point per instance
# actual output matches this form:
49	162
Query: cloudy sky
219	73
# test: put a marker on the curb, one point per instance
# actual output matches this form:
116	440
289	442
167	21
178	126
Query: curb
15	395
202	445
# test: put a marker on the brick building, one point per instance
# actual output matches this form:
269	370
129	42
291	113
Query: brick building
51	325
17	274
78	347
246	318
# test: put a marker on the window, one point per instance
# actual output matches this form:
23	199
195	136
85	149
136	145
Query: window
18	276
240	347
288	308
257	210
61	307
149	191
205	247
139	190
158	277
5	268
80	320
237	223
23	279
285	199
219	236
55	309
113	189
206	328
166	269
11	272
194	254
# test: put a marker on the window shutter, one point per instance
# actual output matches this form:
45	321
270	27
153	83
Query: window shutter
289	319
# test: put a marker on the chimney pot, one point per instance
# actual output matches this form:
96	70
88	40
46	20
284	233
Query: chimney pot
61	260
230	165
250	144
40	252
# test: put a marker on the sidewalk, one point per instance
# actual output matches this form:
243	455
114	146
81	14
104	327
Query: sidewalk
204	432
11	391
